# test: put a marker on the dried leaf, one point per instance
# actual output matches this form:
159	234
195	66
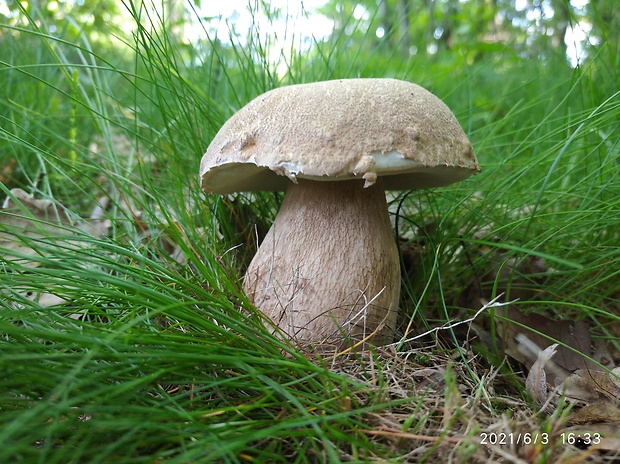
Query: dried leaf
603	437
599	391
25	221
595	413
608	445
536	382
588	386
570	334
33	230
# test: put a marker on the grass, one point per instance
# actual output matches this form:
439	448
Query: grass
151	352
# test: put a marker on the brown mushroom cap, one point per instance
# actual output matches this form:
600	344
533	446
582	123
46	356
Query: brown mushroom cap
339	130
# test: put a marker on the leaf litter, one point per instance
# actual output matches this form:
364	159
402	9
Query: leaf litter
39	232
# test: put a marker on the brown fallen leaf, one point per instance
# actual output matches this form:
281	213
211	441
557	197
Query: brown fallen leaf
608	445
601	438
595	413
587	386
32	229
574	338
26	221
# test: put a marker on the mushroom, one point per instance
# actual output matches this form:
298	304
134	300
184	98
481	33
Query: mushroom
328	270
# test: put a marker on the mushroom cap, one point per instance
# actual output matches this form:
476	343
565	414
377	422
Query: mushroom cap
339	130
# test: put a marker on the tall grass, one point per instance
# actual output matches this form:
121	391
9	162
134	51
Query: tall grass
151	351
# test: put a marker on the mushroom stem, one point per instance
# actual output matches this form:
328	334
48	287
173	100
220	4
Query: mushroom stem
329	264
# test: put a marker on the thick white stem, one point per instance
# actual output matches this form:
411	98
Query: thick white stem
329	264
